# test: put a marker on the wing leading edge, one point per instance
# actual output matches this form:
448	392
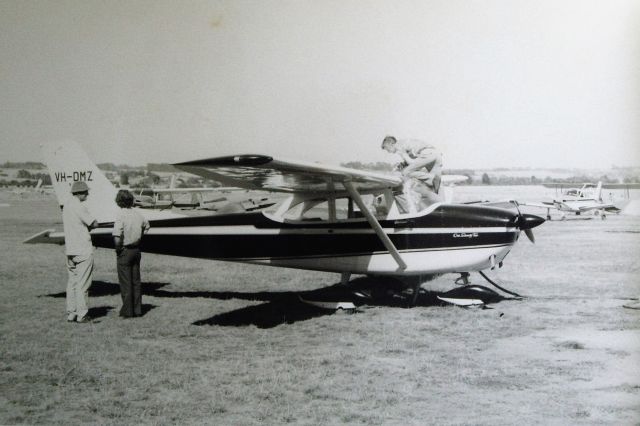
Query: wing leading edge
261	172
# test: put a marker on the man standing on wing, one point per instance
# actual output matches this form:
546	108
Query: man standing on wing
77	222
421	165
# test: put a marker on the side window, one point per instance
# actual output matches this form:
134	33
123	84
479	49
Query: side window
318	211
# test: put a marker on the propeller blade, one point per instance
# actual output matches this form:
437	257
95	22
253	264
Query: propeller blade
529	234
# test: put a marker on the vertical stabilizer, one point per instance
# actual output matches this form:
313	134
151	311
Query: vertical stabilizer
67	163
598	194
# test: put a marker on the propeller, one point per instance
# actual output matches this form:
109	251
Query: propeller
529	234
526	222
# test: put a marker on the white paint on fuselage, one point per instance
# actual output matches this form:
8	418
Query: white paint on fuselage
440	261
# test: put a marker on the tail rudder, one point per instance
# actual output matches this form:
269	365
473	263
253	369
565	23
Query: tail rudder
598	194
67	163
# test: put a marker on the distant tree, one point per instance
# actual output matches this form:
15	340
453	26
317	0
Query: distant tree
486	180
24	165
46	178
110	167
23	174
124	179
161	167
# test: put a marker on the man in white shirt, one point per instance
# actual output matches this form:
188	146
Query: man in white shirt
420	160
77	222
128	229
421	165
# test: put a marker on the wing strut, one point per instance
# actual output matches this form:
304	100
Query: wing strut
375	225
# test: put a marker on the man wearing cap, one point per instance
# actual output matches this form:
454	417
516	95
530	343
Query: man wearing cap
77	222
128	229
421	162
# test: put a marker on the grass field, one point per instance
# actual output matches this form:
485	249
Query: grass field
224	343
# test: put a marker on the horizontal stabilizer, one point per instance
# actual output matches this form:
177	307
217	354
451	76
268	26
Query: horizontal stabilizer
48	236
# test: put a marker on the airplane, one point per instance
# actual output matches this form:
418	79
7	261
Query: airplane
328	220
587	198
219	199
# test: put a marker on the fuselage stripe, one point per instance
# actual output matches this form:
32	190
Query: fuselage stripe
252	230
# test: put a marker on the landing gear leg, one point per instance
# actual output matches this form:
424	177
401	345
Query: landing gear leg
416	291
344	278
463	279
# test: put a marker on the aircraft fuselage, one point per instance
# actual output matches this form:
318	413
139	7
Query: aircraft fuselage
451	238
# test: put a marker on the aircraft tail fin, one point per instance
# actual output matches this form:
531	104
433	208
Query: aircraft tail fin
67	163
598	194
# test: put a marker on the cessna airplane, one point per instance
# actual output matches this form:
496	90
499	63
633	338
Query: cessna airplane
217	199
588	198
332	219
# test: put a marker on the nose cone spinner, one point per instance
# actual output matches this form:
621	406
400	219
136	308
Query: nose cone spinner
529	221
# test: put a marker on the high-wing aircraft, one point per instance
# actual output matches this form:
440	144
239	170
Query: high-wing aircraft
217	199
330	218
587	198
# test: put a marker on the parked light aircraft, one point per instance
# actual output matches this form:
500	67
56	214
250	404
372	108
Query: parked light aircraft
327	221
587	198
218	199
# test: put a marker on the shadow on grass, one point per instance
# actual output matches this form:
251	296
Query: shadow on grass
99	311
102	311
101	288
286	310
286	307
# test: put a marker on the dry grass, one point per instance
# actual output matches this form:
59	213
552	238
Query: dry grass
567	354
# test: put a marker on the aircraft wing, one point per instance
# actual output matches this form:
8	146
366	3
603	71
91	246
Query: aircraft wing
261	172
595	207
541	205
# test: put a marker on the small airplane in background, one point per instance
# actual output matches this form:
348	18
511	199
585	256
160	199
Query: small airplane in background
38	188
217	199
325	221
587	198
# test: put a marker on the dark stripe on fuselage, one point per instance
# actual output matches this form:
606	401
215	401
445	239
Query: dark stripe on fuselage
295	245
290	243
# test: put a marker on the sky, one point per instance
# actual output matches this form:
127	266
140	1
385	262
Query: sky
512	83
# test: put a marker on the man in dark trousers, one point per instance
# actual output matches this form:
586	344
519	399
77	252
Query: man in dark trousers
128	229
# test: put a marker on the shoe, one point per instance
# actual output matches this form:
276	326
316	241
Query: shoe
71	319
85	319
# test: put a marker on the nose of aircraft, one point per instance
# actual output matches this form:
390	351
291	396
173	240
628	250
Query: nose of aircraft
529	221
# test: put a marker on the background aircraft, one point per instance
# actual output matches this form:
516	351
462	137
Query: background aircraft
587	198
216	199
